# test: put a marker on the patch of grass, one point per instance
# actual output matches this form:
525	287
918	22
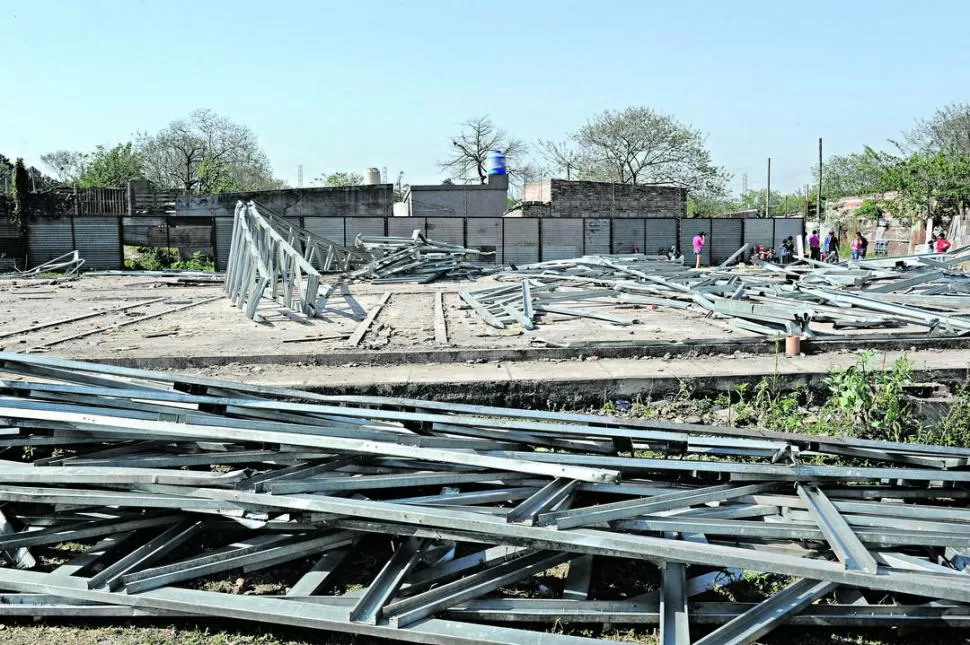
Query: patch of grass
156	258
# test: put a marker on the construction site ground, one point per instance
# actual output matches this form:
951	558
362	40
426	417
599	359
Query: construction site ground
110	318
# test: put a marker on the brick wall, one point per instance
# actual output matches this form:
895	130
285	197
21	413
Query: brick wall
602	199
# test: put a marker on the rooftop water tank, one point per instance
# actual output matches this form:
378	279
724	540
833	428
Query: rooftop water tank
495	163
372	177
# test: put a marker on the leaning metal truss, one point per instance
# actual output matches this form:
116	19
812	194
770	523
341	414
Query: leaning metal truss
324	254
262	263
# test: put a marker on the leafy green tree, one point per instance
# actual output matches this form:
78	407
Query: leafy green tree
339	179
851	174
111	167
938	184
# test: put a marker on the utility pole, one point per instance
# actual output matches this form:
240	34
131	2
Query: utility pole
818	204
299	176
768	192
744	183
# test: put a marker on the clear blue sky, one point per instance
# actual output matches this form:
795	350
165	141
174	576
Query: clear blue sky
348	85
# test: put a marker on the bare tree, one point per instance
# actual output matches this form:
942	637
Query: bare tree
639	146
68	166
947	131
205	153
471	147
562	156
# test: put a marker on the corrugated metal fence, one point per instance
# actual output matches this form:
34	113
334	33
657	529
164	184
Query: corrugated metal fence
101	240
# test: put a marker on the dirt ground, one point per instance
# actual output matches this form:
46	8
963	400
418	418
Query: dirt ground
202	322
102	316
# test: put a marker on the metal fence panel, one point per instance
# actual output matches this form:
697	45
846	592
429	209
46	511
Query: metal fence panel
450	230
331	228
597	236
485	234
404	226
138	231
48	239
520	240
690	228
726	237
223	237
628	234
759	231
98	241
562	239
660	235
363	226
790	226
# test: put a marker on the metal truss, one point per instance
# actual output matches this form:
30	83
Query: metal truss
168	480
264	264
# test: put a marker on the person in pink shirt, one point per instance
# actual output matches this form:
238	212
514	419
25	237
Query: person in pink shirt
856	246
698	249
942	245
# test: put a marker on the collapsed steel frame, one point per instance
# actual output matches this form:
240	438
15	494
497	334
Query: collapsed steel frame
765	298
149	465
263	263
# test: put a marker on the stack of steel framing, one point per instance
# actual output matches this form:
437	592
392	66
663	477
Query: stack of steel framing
171	480
415	259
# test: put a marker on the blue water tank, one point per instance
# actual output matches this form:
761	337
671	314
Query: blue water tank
495	163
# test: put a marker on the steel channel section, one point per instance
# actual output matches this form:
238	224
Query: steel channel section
157	547
369	608
846	545
543	499
405	612
762	618
674	623
162	576
630	508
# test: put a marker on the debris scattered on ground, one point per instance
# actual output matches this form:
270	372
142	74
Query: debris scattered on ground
67	265
765	298
502	520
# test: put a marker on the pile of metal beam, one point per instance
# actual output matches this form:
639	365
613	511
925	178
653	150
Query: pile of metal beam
765	298
263	264
507	526
416	259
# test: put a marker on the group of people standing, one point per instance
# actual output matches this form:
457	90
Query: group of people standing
819	249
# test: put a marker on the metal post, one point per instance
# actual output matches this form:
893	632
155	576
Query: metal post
768	192
818	203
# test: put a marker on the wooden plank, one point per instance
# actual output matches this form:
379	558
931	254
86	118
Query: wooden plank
365	324
440	325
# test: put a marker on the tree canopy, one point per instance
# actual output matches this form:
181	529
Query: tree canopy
638	146
205	153
339	179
